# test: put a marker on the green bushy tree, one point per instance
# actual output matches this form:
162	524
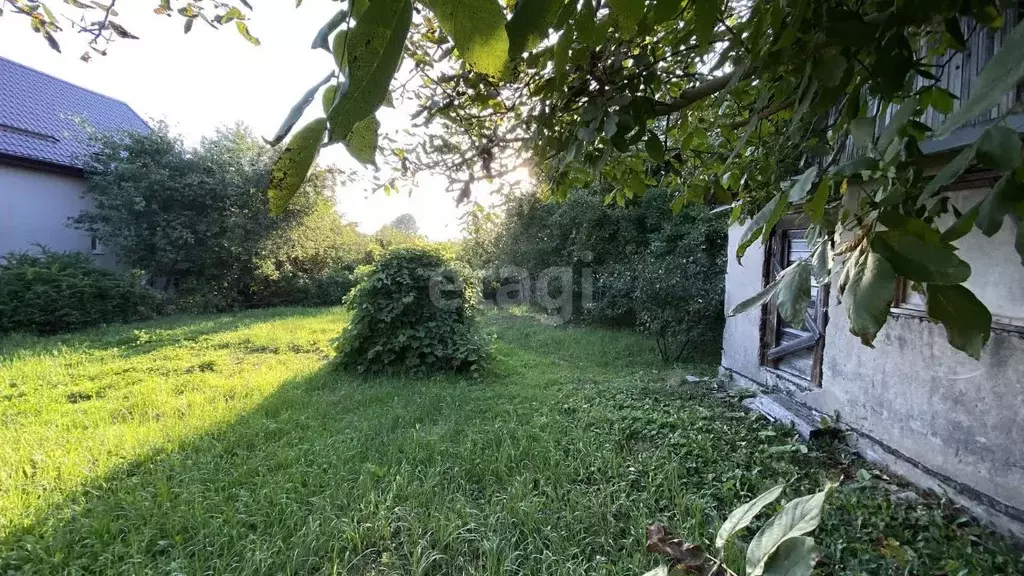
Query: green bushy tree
680	283
654	271
195	218
412	313
52	292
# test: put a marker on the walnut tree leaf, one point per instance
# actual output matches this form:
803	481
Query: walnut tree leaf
967	320
292	166
478	29
374	51
741	517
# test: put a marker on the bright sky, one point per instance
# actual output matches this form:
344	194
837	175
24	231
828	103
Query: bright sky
213	77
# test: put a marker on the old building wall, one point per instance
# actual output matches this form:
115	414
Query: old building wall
741	339
918	405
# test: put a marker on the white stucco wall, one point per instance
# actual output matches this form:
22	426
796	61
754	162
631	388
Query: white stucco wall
961	419
741	339
34	208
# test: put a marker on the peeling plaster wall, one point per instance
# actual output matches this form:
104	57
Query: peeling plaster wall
742	336
954	422
959	417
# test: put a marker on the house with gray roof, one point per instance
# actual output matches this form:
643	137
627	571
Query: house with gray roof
44	146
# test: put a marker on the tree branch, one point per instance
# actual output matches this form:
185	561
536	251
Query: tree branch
770	111
691	96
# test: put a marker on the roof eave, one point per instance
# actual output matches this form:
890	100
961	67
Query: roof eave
43	165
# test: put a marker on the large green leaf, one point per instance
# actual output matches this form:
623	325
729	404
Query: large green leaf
339	47
815	209
1002	73
794	293
291	168
323	37
375	46
1005	195
855	166
654	147
586	24
829	67
742	516
362	141
920	260
797	518
962	226
897	122
950	172
296	112
999	148
705	19
802	185
328	97
794	557
478	29
529	24
967	320
664	10
757	223
766	293
560	62
867	290
821	261
939	99
863	131
627	14
778	211
757	299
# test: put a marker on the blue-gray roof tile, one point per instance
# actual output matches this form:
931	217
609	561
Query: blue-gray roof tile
41	117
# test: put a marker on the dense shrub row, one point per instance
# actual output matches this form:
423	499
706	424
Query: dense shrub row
54	292
650	269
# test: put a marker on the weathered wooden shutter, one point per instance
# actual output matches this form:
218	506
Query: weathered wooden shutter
796	350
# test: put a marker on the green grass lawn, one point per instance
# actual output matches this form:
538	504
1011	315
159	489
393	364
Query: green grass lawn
227	444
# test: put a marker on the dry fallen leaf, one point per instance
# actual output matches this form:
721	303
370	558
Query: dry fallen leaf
661	542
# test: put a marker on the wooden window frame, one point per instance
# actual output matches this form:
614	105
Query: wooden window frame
770	352
900	307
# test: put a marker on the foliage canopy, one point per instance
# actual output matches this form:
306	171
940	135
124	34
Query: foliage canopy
658	272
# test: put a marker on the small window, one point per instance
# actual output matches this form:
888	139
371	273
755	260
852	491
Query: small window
908	297
95	246
796	350
910	301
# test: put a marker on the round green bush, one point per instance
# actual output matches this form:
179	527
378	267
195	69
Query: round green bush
54	292
412	313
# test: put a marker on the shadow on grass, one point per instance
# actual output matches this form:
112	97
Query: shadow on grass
273	491
552	463
333	473
141	338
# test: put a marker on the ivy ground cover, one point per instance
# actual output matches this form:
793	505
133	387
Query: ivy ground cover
228	445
